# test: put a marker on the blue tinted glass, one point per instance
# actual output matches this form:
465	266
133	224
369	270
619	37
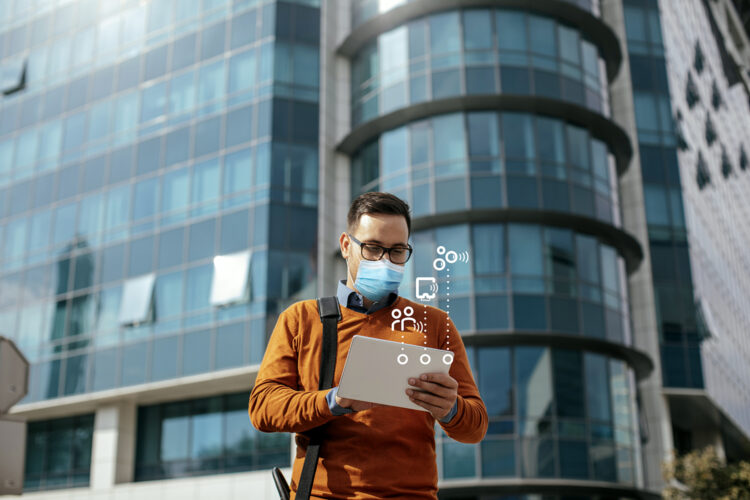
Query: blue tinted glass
207	134
234	232
483	134
394	151
569	389
575	464
205	184
587	258
444	33
118	207
239	126
154	101
542	36
206	429
212	40
477	29
164	358
198	288
525	250
597	387
104	368
177	146
238	169
133	364
65	224
149	156
518	136
202	237
552	147
534	382
141	256
230	345
145	198
170	248
498	457
39	234
492	312
449	142
242	71
306	67
196	349
175	431
112	263
243	29
126	111
529	312
75	131
211	82
569	44
176	190
495	381
578	146
183	50
182	93
489	249
458	459
450	195
156	63
168	295
511	30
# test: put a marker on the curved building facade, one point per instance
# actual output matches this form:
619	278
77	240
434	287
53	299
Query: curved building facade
493	120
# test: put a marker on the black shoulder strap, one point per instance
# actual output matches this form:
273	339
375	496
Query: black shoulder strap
330	315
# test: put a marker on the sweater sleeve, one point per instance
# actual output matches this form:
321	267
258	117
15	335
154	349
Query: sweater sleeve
469	425
276	403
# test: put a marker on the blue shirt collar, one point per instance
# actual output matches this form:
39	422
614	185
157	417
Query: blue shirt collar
354	301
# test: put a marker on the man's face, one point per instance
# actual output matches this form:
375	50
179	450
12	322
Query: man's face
386	230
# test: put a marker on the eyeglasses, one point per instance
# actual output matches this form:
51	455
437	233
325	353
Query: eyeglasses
371	251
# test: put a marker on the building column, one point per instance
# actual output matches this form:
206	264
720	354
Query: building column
113	447
655	410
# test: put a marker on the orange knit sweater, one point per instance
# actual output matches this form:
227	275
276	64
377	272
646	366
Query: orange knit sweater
384	452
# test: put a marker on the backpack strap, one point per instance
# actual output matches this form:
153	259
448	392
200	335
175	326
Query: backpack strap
330	315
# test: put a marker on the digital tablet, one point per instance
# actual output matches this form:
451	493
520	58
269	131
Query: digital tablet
378	371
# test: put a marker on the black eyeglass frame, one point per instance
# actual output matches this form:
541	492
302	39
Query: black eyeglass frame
383	250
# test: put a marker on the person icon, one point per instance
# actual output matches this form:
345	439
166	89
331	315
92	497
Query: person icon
408	312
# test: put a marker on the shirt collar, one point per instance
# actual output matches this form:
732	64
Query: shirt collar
353	300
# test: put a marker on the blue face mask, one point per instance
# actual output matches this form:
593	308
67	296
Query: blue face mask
378	278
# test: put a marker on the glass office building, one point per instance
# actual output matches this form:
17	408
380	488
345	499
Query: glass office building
174	173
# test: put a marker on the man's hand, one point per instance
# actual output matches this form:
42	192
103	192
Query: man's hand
354	404
442	392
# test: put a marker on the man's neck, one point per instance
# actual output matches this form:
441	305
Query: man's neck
365	301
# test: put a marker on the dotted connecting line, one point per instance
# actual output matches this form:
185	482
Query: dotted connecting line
448	309
424	307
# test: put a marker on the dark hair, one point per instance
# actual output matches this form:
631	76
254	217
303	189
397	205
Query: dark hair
377	203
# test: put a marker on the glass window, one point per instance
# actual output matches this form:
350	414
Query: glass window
444	33
230	279
202	238
230	345
182	93
141	256
243	29
498	457
569	388
511	30
597	387
306	65
211	82
552	148
174	431
235	228
75	131
495	380
518	136
239	126
112	267
164	358
39	233
121	164
99	120
91	217
449	141
533	382
176	190
525	250
170	248
569	44
118	207
458	459
207	135
156	63
483	135
196	352
154	101
238	169
205	182
477	29
587	261
542	36
560	258
575	464
657	211
394	151
136	300
145	199
198	288
133	364
242	71
177	146
212	40
104	370
149	155
183	50
206	429
168	295
489	249
65	224
126	112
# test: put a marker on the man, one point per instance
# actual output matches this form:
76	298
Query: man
369	451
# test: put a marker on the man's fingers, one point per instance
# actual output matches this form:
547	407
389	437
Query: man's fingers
440	378
435	410
436	389
431	399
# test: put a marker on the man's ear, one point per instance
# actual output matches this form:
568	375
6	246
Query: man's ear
344	245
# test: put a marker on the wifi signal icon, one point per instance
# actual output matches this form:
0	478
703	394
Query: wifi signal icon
419	326
463	256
